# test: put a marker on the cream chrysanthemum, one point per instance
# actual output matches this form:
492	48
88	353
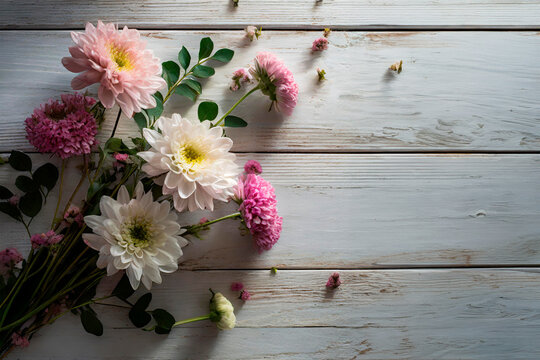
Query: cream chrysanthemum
138	235
192	161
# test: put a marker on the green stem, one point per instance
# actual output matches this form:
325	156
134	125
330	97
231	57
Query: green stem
199	318
59	191
175	85
193	229
236	104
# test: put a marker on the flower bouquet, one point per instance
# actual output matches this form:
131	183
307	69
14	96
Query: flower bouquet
125	213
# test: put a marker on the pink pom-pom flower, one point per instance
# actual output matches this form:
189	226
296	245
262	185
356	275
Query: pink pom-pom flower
8	259
128	73
320	44
333	281
237	286
45	239
63	127
258	207
276	81
253	167
245	295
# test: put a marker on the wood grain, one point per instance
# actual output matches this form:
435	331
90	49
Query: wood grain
370	211
401	314
273	14
457	92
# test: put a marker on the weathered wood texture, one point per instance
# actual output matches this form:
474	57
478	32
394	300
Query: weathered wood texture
356	211
401	314
272	14
457	91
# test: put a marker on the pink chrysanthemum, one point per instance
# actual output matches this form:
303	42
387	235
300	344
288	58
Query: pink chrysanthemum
237	286
276	81
20	341
63	127
245	295
8	259
45	239
253	167
259	211
333	281
129	73
320	44
239	78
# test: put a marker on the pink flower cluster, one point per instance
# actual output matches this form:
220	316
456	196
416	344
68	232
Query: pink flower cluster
64	128
239	78
259	210
276	81
320	44
74	215
129	73
45	239
8	259
20	341
333	281
253	167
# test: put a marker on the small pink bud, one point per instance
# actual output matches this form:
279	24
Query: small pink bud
121	157
333	281
203	220
320	44
14	200
237	286
245	295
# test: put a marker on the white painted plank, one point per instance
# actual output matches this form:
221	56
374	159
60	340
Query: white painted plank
351	211
401	314
458	91
275	14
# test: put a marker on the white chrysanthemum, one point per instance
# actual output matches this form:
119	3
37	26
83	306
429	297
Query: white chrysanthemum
193	160
138	235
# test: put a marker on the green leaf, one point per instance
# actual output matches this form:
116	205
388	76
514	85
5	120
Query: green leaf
138	315
20	161
171	72
143	302
115	145
202	71
207	110
30	203
156	112
185	90
206	48
140	119
164	321
91	323
26	184
223	55
123	289
235	121
194	85
46	175
10	210
184	58
5	193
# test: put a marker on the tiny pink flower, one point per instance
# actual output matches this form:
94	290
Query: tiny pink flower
333	281
20	341
8	259
234	86
239	78
74	215
245	295
45	239
121	157
253	167
14	200
203	220
237	286
252	32
65	128
320	44
129	73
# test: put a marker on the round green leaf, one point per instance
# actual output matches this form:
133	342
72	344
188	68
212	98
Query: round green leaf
184	58
206	48
10	210
140	119
207	110
143	302
30	203
235	121
202	71
91	323
185	90
156	112
164	321
139	318
193	85
26	184
223	55
171	72
20	161
123	289
46	175
5	193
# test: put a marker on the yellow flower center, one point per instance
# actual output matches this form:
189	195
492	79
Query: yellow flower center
137	233
120	58
188	156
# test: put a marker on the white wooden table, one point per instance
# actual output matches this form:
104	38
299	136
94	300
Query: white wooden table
422	189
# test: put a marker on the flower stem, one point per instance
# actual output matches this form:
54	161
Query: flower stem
199	318
236	104
59	191
193	229
116	123
175	85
